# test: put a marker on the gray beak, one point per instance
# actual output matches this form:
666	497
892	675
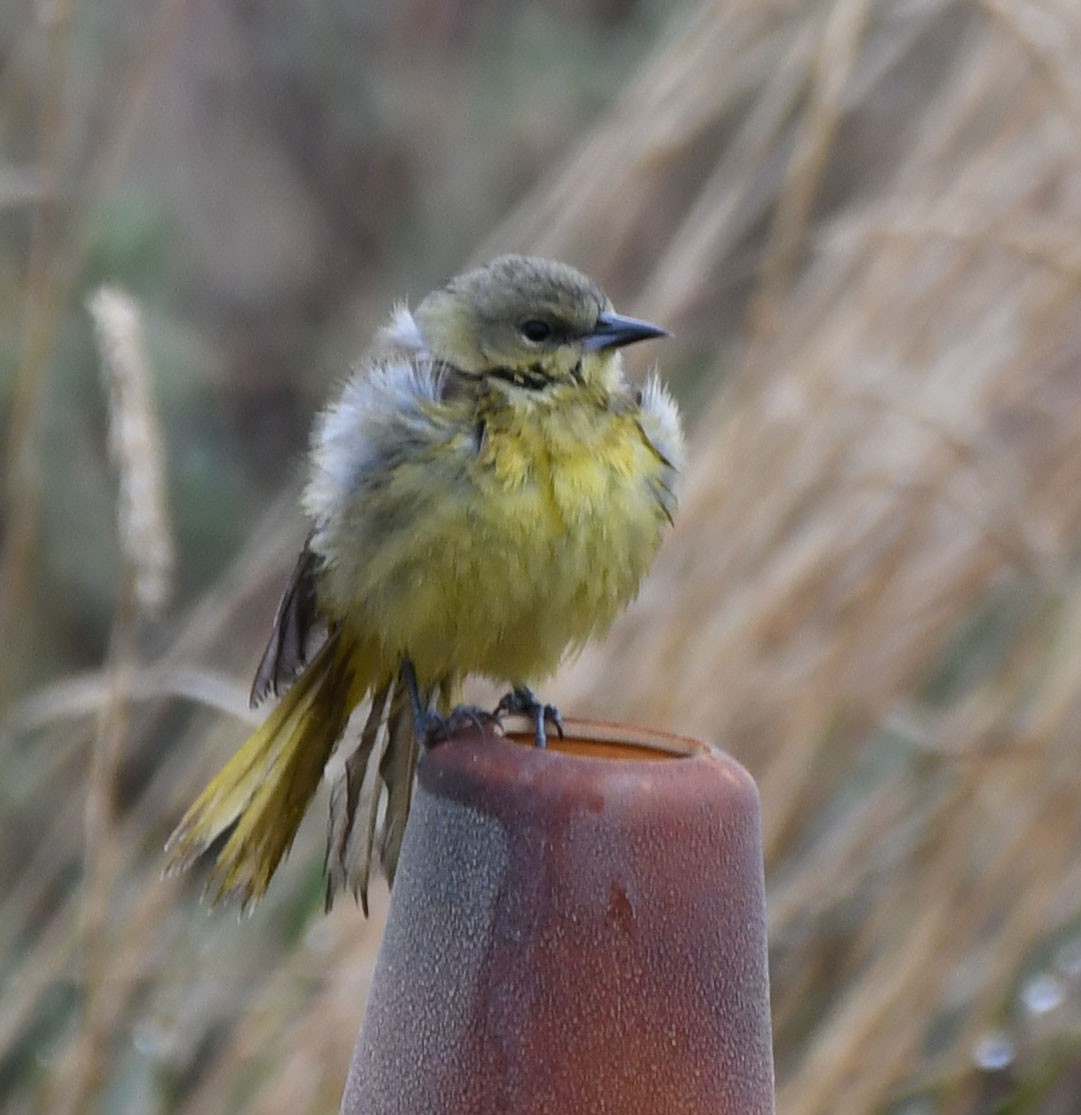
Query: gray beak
615	330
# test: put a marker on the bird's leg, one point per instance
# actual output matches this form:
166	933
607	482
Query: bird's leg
422	714
429	727
522	700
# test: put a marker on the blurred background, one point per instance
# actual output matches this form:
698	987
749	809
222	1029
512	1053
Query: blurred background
861	219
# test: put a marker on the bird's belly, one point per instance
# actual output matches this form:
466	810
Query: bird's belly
506	578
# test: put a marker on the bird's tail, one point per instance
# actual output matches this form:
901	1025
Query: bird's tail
263	791
382	767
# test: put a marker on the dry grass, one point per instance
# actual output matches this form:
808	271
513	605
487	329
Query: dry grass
22	471
864	215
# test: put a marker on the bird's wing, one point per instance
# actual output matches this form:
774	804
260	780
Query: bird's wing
386	455
658	419
389	413
297	633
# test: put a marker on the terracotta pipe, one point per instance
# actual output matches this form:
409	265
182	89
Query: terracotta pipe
578	930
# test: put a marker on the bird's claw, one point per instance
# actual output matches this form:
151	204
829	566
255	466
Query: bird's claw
435	729
524	702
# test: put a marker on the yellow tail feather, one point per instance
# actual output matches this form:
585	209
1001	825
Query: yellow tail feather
263	791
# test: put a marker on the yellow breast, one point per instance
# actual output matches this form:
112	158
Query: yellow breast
537	549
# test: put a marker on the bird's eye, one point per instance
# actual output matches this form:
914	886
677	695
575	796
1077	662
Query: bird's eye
535	331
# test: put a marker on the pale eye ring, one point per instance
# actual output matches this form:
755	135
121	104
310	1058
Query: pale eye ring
535	331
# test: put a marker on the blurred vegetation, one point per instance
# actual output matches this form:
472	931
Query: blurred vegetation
860	218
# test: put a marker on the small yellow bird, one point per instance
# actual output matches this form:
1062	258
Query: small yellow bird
485	495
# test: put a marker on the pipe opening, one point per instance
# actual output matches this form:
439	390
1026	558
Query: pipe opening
594	739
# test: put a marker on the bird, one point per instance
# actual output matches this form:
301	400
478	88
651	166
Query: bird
484	495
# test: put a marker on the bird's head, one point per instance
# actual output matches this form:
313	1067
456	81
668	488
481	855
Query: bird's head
529	322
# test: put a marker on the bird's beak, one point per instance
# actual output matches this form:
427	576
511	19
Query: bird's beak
615	330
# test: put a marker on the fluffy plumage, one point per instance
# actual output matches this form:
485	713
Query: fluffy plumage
485	495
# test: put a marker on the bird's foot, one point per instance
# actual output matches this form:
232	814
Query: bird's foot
523	701
429	728
433	728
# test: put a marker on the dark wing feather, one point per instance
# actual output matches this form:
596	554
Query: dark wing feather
298	628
